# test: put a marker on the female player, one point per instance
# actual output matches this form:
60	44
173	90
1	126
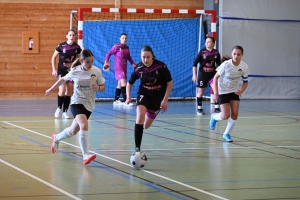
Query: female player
154	90
87	80
121	55
227	90
208	59
67	52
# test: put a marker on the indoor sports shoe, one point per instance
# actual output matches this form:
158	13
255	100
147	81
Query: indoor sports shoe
54	145
129	104
117	102
217	110
65	115
200	112
137	149
89	159
227	138
212	123
58	113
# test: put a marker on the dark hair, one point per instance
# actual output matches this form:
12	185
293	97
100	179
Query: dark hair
212	39
147	48
238	47
123	34
83	55
70	31
224	58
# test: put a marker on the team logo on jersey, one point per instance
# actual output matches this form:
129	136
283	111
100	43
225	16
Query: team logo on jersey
64	50
93	78
240	72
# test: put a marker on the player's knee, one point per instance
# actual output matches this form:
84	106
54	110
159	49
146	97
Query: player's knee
225	116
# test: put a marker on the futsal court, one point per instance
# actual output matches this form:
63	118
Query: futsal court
186	160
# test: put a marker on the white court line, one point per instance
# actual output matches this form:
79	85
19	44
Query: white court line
38	179
169	119
154	174
249	147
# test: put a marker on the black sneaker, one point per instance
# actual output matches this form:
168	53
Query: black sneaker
200	112
217	110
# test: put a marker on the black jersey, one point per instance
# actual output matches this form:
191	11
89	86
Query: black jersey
67	55
154	79
208	60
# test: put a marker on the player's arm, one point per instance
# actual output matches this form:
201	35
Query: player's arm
55	85
164	103
54	70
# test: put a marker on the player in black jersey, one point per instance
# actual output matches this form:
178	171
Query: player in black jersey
153	93
209	58
68	51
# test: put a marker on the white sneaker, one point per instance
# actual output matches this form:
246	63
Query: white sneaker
58	113
129	104
65	116
117	102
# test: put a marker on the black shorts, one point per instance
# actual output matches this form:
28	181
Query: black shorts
226	98
77	109
151	103
203	79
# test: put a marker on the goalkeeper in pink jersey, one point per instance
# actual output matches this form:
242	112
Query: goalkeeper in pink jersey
121	56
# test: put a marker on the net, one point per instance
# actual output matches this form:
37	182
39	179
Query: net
173	35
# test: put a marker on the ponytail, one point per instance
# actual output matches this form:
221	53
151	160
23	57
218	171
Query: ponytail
75	63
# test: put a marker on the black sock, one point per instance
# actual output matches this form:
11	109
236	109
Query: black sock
138	134
117	94
66	103
217	106
123	90
60	101
199	102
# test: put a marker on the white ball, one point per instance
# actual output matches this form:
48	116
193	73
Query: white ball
138	160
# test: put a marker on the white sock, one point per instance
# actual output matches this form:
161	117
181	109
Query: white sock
83	143
217	116
62	135
230	125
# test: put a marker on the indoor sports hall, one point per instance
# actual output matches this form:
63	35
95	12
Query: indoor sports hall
186	160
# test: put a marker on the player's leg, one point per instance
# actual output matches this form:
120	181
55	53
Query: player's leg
234	110
123	88
225	114
81	116
141	109
66	133
67	99
60	100
216	104
201	85
199	100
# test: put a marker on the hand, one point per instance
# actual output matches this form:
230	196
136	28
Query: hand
128	100
164	106
54	73
48	91
94	86
194	78
216	97
134	65
106	66
238	92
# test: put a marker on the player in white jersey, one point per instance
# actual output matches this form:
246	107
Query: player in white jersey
227	90
87	80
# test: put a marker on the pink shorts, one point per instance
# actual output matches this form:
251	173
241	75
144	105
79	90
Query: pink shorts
120	74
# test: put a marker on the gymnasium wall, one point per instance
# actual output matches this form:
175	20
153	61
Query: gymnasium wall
29	75
269	32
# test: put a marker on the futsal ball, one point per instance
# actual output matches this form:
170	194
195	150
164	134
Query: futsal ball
138	160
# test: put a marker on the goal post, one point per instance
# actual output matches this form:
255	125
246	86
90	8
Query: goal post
173	34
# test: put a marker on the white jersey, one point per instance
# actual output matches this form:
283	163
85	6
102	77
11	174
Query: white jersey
83	94
229	76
